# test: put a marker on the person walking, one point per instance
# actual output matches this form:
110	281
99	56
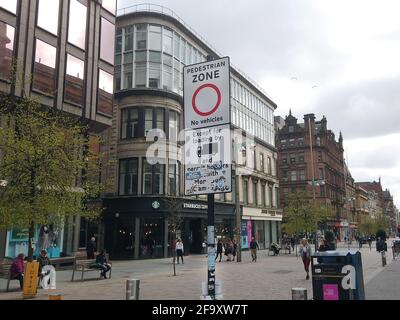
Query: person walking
179	250
253	248
17	270
91	248
219	250
305	253
292	242
370	243
46	271
234	249
229	250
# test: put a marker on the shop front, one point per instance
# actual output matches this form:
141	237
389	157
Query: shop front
48	237
147	227
262	224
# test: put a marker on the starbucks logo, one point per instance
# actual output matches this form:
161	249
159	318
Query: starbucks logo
155	204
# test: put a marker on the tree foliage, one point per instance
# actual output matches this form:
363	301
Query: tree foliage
47	167
301	215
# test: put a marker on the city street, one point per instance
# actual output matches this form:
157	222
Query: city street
270	278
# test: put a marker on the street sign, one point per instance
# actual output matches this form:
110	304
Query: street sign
208	160
206	94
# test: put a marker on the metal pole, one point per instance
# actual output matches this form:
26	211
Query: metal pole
238	220
312	174
211	247
132	289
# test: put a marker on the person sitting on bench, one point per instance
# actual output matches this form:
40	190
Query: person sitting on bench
46	271
101	263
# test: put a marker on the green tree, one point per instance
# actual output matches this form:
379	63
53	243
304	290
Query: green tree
301	215
47	166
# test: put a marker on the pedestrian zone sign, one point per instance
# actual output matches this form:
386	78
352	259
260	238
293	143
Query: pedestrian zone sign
206	94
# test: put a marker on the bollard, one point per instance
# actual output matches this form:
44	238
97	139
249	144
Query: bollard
299	294
132	289
383	258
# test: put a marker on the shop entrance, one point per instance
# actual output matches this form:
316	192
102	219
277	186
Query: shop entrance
195	236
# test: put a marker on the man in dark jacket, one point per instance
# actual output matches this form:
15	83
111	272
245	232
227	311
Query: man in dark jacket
101	263
253	248
91	248
46	271
219	250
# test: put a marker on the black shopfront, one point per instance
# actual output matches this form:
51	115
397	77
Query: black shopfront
145	227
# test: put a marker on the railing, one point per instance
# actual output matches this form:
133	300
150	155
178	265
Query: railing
149	7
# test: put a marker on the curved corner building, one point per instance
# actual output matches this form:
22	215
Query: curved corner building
144	204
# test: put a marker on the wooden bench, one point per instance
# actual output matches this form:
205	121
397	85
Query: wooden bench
85	265
6	274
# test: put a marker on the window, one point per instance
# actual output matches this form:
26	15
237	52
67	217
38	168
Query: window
141	37
77	24
245	191
109	5
148	121
128	176
321	173
173	126
153	178
9	5
269	165
167	41
44	70
263	195
160	119
301	158
173	178
7	33
130	122
74	80
253	152
128	44
319	156
292	158
291	129
293	175
322	191
300	141
255	193
302	175
154	75
105	93
318	141
107	46
285	175
47	18
155	38
262	162
291	142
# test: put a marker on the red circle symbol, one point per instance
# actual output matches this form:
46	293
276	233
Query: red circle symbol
196	109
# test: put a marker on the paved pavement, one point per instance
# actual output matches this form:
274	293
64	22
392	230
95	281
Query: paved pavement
270	278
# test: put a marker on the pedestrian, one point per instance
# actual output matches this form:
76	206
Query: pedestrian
370	243
219	250
292	242
102	264
323	246
234	249
17	270
229	250
253	248
91	248
305	253
179	250
46	271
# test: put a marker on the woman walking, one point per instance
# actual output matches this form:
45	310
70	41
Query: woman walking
305	253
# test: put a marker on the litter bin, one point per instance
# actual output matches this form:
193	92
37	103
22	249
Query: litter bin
337	275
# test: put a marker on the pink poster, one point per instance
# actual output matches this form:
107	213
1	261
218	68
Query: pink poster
331	291
249	229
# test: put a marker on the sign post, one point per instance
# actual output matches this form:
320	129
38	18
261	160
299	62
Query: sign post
30	280
208	165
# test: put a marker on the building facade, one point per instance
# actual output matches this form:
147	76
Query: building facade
63	53
388	211
145	205
310	159
350	209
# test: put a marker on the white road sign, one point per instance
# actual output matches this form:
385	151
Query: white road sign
206	94
208	160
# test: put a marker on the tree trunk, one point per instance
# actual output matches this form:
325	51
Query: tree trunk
30	241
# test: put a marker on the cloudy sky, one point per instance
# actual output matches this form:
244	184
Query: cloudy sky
338	58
